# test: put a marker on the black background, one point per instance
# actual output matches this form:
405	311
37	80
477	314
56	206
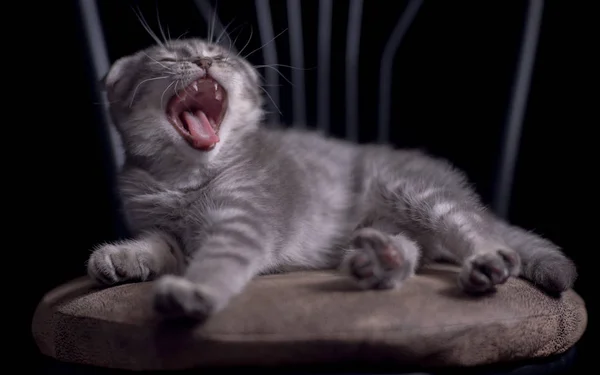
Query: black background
452	83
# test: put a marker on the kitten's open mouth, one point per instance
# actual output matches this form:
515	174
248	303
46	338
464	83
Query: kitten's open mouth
197	112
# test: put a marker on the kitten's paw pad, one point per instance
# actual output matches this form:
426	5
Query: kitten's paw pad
375	263
112	264
176	297
483	271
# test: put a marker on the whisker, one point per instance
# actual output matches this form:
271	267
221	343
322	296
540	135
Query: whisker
177	92
268	95
139	84
263	46
278	72
283	65
232	42
249	39
182	34
238	35
224	32
164	92
159	25
146	27
262	77
212	27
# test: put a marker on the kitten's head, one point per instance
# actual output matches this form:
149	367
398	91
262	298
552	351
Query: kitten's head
188	96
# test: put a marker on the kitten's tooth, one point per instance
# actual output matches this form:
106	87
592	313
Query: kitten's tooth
219	95
195	86
216	87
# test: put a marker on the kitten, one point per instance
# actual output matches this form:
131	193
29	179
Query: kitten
215	198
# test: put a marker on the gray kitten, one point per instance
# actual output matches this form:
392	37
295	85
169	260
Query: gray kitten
215	198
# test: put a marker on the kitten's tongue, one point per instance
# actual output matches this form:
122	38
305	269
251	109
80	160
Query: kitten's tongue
203	134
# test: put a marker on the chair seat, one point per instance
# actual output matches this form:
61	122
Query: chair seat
311	318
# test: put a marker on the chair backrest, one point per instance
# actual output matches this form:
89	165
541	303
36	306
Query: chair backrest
323	60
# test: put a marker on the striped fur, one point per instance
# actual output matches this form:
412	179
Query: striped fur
270	200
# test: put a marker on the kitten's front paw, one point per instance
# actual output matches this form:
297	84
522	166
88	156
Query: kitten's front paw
375	262
484	270
176	297
112	264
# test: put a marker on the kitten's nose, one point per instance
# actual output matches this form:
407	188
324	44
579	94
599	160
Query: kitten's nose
204	62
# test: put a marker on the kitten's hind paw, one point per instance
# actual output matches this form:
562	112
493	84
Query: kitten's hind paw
484	270
176	297
375	262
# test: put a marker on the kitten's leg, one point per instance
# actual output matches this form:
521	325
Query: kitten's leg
489	250
377	260
226	260
442	212
517	253
140	259
449	216
466	231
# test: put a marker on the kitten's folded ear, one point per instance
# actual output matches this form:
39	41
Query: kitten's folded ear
120	75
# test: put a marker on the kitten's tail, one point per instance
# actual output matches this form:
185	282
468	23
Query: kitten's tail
542	262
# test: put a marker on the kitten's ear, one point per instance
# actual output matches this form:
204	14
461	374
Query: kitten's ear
120	72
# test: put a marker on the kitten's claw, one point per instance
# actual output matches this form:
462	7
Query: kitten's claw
484	270
112	264
176	297
375	262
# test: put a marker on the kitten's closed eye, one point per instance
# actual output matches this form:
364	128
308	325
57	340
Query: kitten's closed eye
172	59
